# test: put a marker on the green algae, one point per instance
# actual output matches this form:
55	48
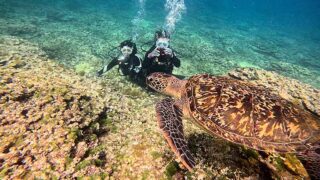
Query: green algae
279	163
145	175
156	155
103	175
84	68
91	137
251	153
292	159
138	150
74	133
120	156
98	162
69	161
171	169
83	164
245	64
97	149
130	91
223	177
82	73
3	172
62	91
294	165
95	176
19	141
108	123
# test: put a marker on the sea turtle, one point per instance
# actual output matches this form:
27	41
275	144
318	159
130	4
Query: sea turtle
238	112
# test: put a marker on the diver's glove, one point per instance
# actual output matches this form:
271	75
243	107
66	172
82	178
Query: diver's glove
168	51
122	59
137	69
100	72
154	53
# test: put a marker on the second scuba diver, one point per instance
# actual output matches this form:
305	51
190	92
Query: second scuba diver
129	62
160	57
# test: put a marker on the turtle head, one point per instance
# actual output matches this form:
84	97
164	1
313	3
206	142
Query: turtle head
165	83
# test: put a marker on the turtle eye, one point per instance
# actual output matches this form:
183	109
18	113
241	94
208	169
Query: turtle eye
150	81
317	151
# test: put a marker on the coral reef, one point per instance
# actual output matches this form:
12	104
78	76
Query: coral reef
44	109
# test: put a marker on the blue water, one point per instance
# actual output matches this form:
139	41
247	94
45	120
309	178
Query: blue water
297	18
211	36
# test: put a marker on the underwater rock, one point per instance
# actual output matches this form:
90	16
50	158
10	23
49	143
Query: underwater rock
56	16
82	147
293	90
295	71
43	108
18	30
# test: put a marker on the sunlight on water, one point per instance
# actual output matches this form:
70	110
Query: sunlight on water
138	19
175	8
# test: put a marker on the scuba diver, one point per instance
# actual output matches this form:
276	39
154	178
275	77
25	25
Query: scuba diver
129	62
160	57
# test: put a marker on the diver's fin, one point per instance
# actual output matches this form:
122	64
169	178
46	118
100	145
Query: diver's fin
170	122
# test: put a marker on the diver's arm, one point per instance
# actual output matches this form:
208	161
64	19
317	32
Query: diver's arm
136	64
137	61
147	62
108	67
112	64
176	62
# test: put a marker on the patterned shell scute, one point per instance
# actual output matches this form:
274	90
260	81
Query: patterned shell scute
244	113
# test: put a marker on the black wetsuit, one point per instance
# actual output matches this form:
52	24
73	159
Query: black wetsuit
130	67
163	63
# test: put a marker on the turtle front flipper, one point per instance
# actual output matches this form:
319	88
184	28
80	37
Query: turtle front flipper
170	122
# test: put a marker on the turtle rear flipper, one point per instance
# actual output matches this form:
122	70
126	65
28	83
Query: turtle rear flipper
170	122
311	161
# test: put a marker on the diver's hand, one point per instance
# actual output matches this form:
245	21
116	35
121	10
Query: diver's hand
122	58
100	72
168	51
154	53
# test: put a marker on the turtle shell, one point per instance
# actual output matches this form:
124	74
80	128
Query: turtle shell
250	115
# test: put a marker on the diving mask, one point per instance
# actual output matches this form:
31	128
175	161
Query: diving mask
162	43
126	50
